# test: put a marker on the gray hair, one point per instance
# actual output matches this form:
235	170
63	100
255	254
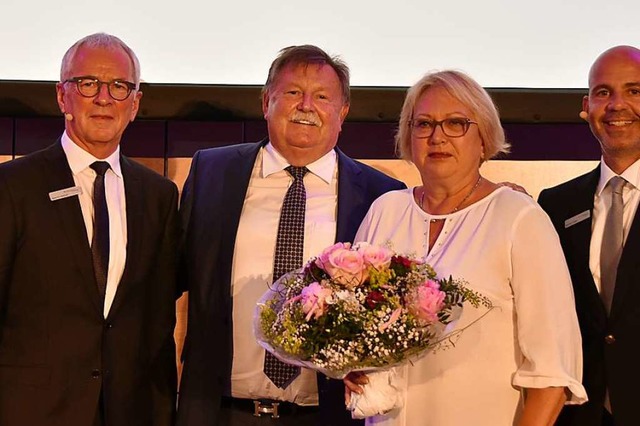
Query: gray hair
104	41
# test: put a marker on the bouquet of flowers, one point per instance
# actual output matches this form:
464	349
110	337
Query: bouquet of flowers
360	308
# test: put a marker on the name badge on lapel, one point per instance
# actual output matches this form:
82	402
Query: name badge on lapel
65	193
577	218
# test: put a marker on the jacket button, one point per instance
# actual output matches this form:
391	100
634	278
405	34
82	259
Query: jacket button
95	373
109	325
609	339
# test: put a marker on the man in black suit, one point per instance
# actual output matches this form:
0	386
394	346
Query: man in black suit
87	262
605	273
230	208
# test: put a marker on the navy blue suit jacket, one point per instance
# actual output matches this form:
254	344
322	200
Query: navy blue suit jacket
607	364
212	202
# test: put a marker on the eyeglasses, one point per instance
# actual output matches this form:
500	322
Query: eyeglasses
90	86
453	127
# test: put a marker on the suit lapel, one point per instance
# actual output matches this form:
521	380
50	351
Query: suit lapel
236	175
134	211
58	176
350	198
579	237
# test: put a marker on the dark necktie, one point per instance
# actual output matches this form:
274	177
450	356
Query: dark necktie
612	242
100	240
288	256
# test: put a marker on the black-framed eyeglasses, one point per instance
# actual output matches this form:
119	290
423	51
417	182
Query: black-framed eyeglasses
89	87
454	127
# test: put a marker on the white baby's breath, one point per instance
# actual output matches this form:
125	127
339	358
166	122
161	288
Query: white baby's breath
370	324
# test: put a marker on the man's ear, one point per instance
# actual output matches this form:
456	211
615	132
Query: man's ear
60	96
265	104
136	105
584	114
343	113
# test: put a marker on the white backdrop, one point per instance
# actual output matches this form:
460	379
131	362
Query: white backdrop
502	43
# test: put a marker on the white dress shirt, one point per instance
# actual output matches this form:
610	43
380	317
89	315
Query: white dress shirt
83	176
253	264
602	204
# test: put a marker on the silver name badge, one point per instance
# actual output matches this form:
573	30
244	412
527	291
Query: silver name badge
65	193
577	218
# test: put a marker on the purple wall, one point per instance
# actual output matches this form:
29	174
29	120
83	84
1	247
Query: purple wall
6	136
367	140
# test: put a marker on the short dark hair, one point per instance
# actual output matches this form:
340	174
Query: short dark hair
309	54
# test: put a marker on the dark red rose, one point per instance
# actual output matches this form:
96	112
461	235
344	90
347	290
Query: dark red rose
401	260
374	298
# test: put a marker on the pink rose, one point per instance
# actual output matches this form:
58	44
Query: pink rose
343	265
324	256
375	256
314	300
426	301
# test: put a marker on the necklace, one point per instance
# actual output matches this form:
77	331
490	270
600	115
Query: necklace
456	208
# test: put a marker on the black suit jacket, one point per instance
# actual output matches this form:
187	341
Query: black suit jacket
606	365
57	351
211	205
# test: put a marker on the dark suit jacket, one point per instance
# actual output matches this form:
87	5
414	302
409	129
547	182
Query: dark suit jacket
56	349
211	205
613	365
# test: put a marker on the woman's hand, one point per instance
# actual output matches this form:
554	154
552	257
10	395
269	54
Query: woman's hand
353	382
514	186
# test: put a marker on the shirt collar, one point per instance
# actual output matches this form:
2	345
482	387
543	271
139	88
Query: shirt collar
324	167
631	175
79	159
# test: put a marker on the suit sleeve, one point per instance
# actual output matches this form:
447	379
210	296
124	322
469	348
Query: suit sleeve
363	233
186	205
164	365
8	236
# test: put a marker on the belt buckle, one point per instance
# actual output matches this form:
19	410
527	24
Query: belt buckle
260	408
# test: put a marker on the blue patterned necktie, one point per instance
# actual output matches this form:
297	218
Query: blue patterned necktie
100	240
288	256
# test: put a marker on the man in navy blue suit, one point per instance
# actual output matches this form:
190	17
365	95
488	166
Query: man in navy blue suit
231	207
606	291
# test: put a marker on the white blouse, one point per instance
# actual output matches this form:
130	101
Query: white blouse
505	247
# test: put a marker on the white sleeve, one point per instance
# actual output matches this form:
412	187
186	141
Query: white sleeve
363	233
547	326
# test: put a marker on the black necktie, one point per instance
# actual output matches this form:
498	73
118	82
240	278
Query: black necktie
100	240
612	242
288	256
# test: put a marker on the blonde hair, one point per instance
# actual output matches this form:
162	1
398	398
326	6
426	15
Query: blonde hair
471	95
